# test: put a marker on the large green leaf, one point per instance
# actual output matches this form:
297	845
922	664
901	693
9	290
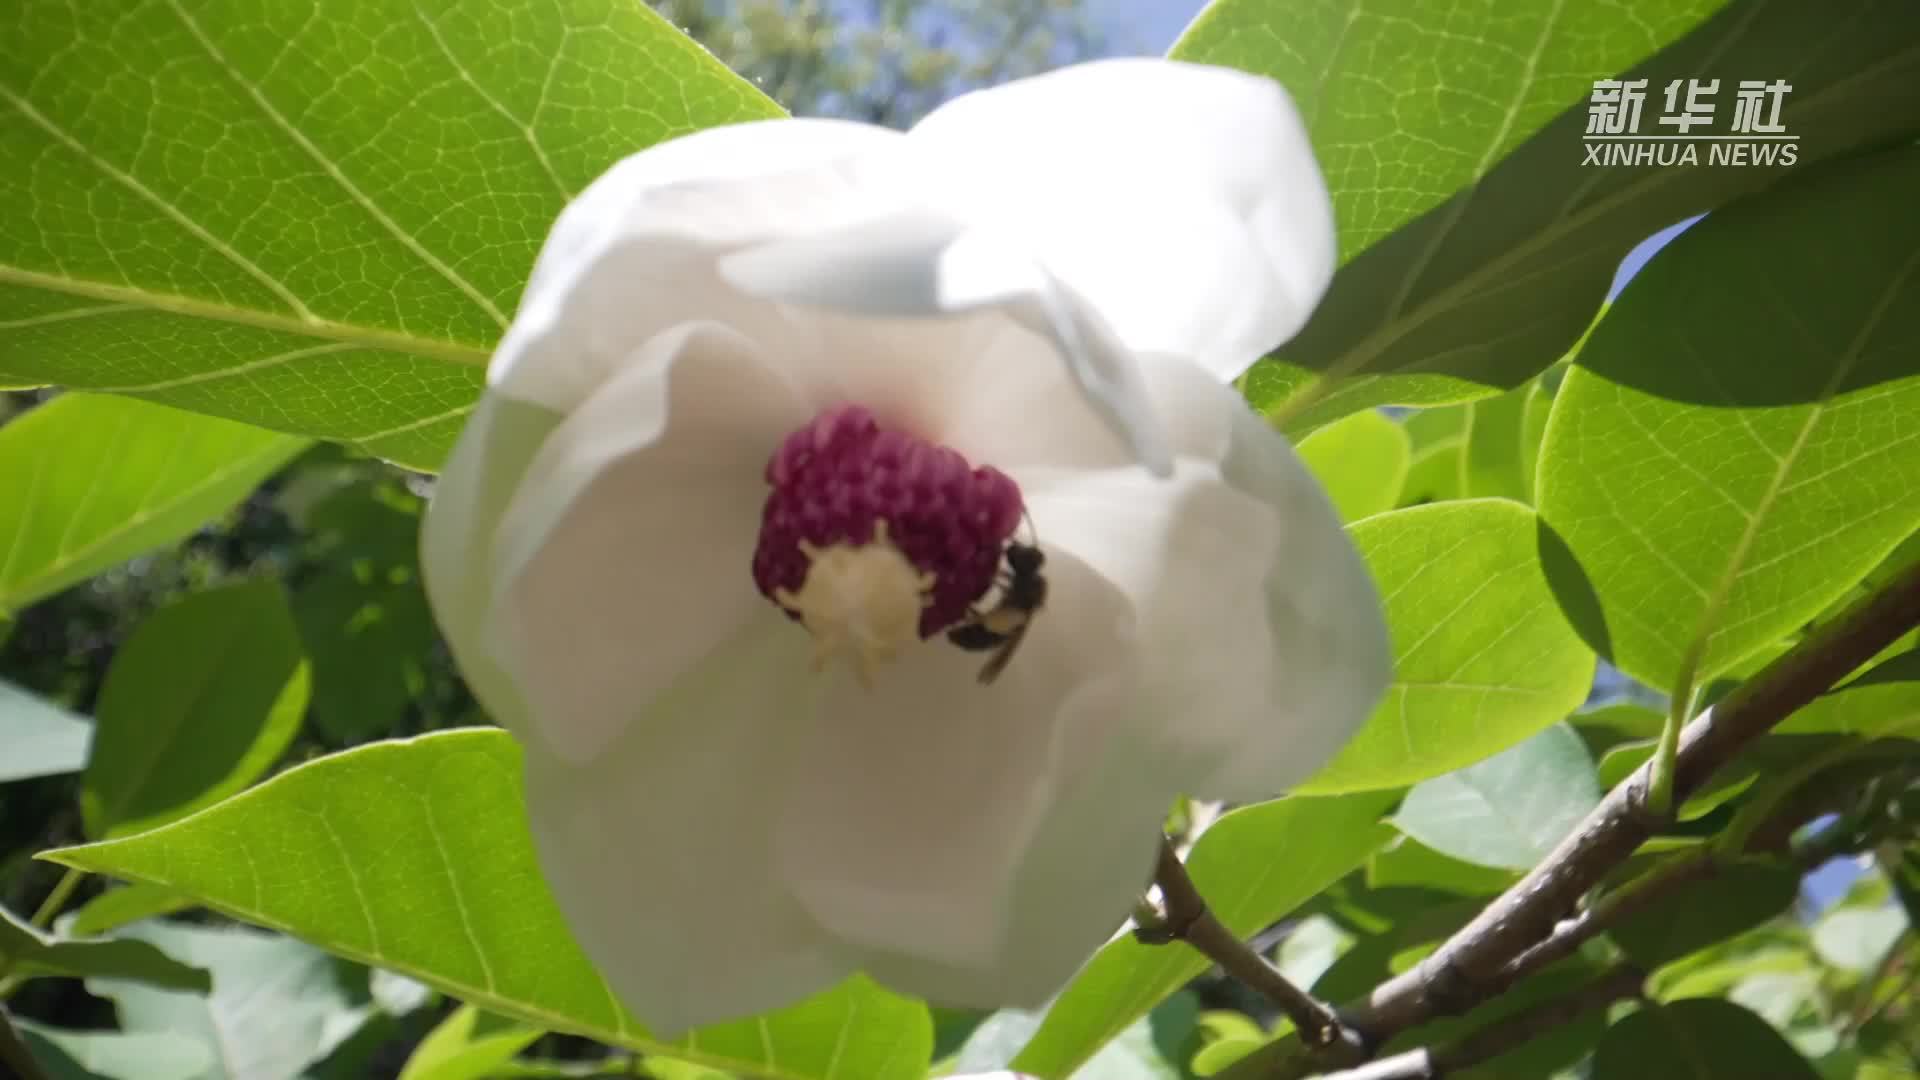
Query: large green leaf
92	481
277	1006
1484	289
1740	896
1697	1039
414	856
1482	656
1509	810
309	216
1735	446
27	951
1253	866
1362	462
202	699
42	739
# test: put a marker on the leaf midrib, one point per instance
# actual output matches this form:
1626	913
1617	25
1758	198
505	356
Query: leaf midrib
323	329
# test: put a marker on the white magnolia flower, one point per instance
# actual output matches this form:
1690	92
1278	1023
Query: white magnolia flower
787	391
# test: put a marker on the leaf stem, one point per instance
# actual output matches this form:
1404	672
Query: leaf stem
57	899
1189	919
1659	796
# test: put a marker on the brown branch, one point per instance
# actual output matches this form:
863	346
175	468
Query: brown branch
1472	965
1188	919
1500	1036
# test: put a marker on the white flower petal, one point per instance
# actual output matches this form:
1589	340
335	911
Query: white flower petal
1253	690
458	534
1182	201
911	811
923	263
660	850
627	553
634	254
1082	870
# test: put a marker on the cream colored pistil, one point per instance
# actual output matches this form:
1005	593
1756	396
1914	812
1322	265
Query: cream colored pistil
862	602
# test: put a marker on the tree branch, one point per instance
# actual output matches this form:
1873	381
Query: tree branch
1188	919
1508	1033
14	1053
1473	964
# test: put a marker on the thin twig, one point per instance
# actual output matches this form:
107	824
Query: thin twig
1189	919
1470	967
1500	1036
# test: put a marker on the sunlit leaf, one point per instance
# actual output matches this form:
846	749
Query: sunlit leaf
277	1006
1482	656
41	738
93	481
1361	461
1881	702
1510	810
201	700
113	1055
467	1045
312	217
414	856
1717	490
1855	939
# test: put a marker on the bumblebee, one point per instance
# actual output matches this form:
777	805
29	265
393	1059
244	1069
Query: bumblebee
1004	626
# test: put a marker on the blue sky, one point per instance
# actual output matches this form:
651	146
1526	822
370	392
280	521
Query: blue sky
1144	27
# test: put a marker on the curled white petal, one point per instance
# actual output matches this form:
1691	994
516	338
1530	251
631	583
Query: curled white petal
1262	647
1182	201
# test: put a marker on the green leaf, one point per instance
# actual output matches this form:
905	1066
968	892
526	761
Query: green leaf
468	1045
1533	425
1361	461
1476	259
1510	810
42	739
1482	656
112	1055
202	699
414	856
312	218
29	952
1855	939
1881	702
1410	862
1719	491
1254	865
127	904
1697	1039
277	1006
1740	896
1495	462
1610	725
93	481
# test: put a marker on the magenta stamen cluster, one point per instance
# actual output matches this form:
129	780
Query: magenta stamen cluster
834	478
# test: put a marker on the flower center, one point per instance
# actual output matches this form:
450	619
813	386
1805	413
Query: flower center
873	538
